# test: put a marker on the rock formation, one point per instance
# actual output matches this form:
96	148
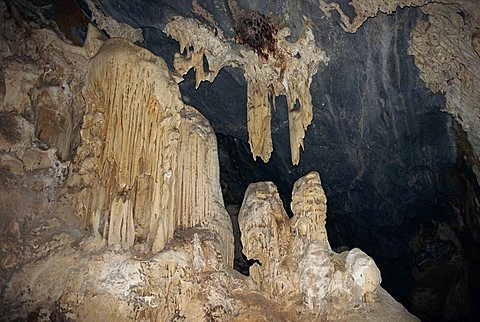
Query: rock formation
147	160
294	262
272	67
110	200
133	226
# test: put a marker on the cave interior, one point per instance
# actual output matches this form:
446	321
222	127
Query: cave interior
398	168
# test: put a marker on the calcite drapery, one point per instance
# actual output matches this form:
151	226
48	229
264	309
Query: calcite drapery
151	160
288	72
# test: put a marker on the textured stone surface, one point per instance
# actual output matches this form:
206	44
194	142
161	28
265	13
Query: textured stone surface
397	171
293	260
137	259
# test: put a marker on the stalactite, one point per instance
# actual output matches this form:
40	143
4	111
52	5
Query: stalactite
287	71
259	121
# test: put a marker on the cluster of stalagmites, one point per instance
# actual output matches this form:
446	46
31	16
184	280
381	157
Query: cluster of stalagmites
151	239
294	260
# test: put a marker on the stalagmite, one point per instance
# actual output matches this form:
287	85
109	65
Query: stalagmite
296	262
288	71
309	206
266	238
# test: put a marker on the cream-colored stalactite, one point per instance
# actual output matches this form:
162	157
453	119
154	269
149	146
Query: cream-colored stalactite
150	159
284	73
259	121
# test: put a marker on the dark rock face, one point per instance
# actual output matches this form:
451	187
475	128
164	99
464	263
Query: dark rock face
394	167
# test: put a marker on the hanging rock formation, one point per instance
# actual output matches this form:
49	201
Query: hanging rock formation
272	67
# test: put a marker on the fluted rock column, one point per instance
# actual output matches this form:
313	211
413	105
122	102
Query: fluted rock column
149	162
